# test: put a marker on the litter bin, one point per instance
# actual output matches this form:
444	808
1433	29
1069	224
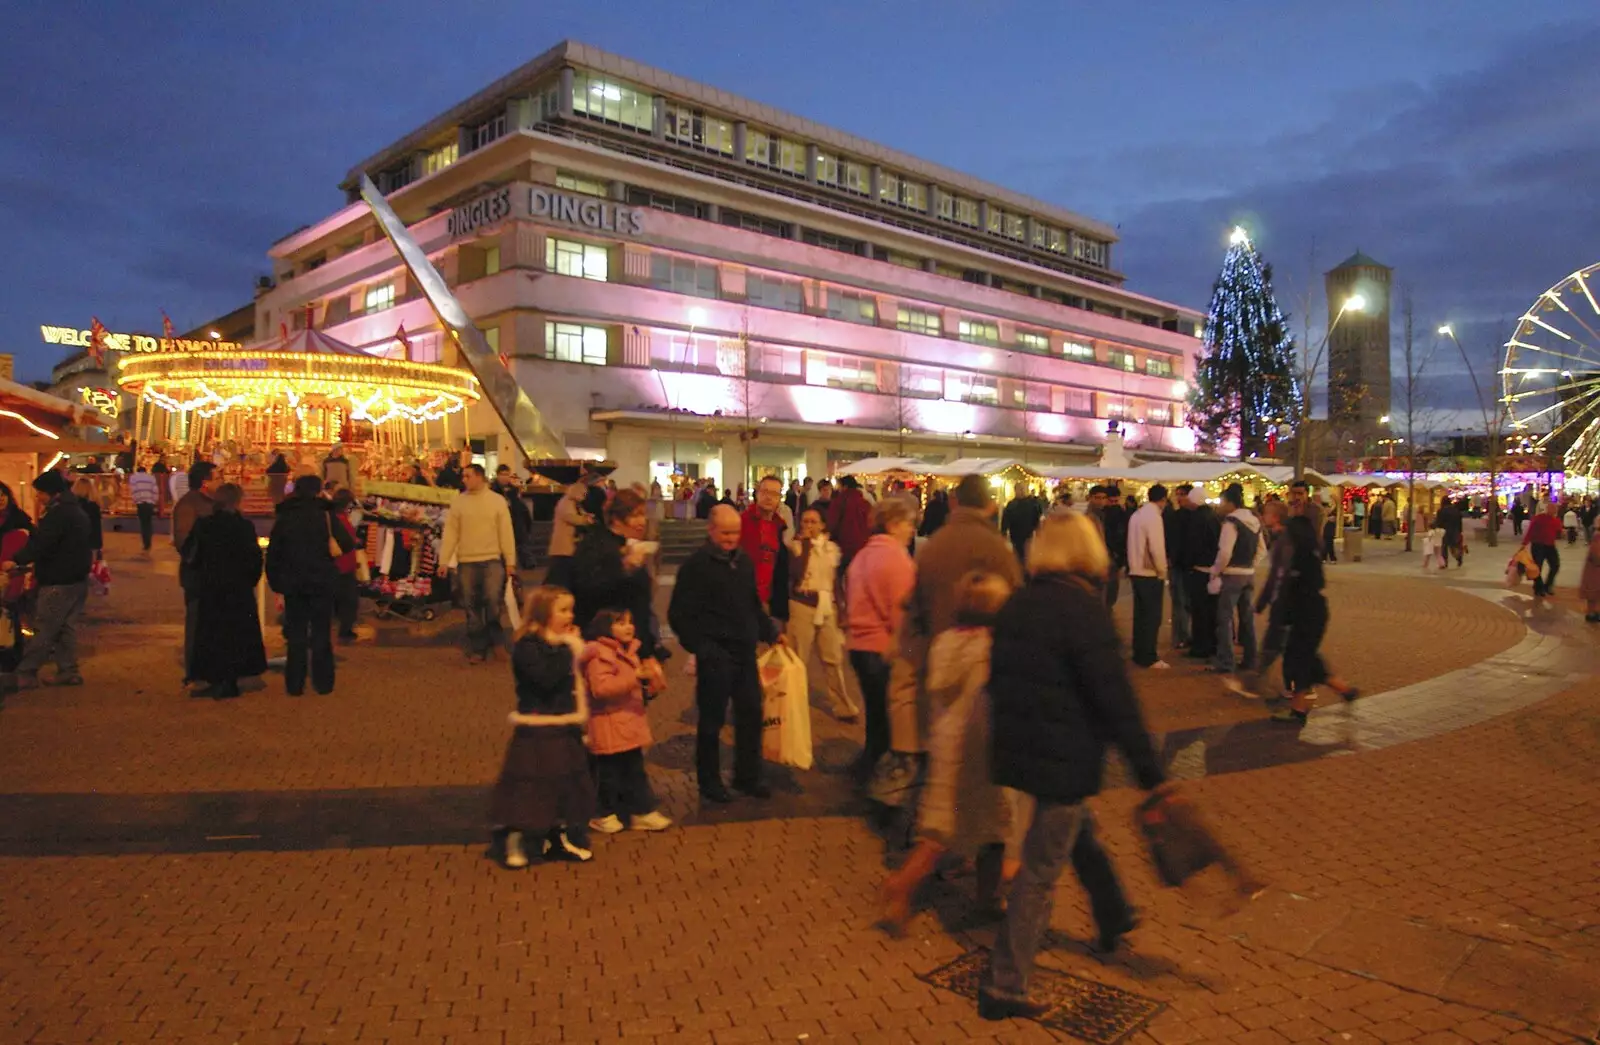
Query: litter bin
1352	543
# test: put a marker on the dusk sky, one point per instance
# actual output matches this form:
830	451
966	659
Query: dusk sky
150	153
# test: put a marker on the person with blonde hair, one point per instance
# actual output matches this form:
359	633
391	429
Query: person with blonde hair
962	812
878	581
1060	696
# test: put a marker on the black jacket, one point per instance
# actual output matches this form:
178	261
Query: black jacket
1201	537
1175	523
91	511
226	567
1449	520
1061	694
545	673
600	583
298	560
61	548
715	603
1114	525
1020	519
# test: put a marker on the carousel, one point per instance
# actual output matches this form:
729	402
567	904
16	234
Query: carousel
299	395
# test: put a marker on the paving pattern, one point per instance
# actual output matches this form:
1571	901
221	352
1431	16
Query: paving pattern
1435	884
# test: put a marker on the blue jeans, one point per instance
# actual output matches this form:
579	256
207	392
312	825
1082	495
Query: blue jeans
481	588
1237	589
1060	834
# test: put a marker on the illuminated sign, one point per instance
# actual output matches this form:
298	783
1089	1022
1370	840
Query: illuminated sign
586	211
485	210
102	399
72	337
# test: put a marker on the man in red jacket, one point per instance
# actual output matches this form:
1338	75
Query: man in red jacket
761	537
849	520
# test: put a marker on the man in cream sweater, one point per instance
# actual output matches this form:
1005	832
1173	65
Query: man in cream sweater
480	547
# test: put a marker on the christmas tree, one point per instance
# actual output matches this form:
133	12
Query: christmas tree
1245	385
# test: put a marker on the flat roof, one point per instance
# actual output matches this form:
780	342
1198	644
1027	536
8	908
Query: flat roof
575	53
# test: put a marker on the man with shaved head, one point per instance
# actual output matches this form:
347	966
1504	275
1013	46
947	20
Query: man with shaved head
719	616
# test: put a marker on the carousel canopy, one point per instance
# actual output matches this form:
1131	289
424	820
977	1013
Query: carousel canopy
879	465
310	342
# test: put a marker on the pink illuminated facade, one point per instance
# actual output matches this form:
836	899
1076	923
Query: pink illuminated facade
681	278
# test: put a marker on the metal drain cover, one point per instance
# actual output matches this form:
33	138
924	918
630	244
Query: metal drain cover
1093	1012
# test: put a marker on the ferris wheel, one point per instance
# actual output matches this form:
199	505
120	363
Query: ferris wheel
1550	382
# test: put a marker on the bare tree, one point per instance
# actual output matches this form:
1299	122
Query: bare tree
1494	410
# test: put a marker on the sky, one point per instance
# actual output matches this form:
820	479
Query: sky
150	153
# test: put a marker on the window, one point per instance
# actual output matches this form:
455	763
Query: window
905	261
612	101
380	297
489	130
429	348
1158	367
978	332
889	187
1158	414
771	292
571	258
491	337
1117	408
1026	395
1015	226
967	211
947	205
971	388
695	129
1120	359
440	158
579	183
827	169
913	195
791	157
996	219
683	276
852	308
1087	250
1040	232
783	364
638	197
919	321
1076	401
1056	240
572	343
757	147
1078	350
1033	342
491	260
753	223
921	382
683	351
832	242
851	372
856	178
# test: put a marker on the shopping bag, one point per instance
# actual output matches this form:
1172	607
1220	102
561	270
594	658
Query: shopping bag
513	608
785	709
1182	845
100	578
1520	566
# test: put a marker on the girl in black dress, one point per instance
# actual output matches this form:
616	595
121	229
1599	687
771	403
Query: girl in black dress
546	792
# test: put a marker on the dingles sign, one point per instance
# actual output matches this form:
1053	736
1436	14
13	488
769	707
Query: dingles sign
545	204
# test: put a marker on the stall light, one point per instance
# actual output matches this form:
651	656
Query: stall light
42	431
57	459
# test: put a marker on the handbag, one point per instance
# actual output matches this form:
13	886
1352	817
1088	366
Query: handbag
1182	845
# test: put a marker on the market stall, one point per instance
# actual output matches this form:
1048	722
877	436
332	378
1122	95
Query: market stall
36	435
402	526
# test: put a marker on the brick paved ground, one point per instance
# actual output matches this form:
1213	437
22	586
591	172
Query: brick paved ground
1442	890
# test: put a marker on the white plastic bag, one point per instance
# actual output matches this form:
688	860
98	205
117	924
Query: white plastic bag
785	709
513	611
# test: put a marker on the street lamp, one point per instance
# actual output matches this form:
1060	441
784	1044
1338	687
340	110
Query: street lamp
1353	303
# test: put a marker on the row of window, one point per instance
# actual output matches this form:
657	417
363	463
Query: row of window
730	357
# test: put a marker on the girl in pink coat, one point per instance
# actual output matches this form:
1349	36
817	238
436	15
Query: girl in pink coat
618	729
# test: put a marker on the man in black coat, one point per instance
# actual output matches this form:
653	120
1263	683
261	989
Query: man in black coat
1176	518
1020	519
60	552
1200	539
300	567
718	616
1449	521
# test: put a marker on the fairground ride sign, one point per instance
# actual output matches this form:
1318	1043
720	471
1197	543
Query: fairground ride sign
72	337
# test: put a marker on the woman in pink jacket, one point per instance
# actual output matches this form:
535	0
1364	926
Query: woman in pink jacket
880	579
618	730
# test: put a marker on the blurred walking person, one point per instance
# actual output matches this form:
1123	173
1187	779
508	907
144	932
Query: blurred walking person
146	494
814	611
1061	696
1306	611
879	581
60	555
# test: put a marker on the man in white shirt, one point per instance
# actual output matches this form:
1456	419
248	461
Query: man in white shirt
178	484
145	491
480	547
1147	574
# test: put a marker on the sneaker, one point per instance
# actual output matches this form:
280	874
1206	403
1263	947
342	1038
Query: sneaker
608	824
651	821
1159	665
515	859
1232	684
561	848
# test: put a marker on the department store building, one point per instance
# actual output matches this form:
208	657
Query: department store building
682	278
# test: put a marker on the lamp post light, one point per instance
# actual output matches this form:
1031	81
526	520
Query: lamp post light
1353	303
